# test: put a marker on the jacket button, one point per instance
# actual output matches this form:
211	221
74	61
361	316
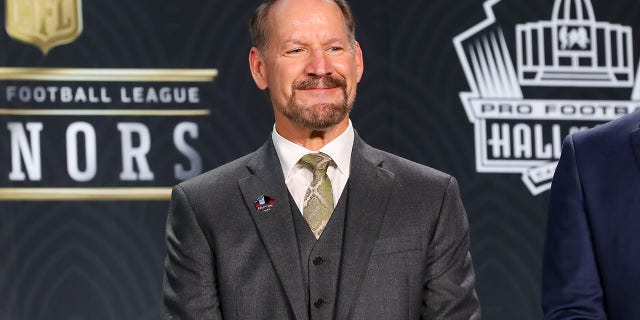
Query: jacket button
318	303
318	261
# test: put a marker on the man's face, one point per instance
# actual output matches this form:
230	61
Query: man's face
310	66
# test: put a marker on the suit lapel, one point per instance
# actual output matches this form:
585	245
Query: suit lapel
635	145
275	226
369	190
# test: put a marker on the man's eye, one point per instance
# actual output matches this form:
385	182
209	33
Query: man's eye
294	51
335	49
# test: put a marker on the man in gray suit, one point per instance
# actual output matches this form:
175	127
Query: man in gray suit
316	224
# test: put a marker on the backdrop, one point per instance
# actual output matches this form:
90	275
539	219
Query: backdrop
105	104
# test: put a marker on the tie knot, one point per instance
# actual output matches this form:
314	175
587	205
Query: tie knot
316	161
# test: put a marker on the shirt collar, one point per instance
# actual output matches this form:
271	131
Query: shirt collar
339	149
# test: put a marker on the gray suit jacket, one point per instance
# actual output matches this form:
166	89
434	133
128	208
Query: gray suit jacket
405	249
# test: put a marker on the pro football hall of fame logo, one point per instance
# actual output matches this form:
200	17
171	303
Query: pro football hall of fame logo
44	23
558	60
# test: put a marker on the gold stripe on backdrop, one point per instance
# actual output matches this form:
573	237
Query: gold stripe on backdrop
106	112
114	75
85	194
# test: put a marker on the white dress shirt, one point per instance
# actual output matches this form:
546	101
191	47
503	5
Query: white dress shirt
298	178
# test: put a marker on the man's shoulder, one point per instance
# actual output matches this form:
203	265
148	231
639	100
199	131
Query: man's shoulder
226	174
610	132
597	148
405	169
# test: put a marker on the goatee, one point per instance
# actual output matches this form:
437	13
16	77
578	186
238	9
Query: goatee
321	115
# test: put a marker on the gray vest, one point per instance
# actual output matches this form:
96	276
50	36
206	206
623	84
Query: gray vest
321	259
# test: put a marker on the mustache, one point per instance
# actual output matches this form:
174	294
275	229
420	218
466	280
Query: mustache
330	81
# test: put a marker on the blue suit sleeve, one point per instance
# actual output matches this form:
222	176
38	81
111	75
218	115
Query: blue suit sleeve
571	286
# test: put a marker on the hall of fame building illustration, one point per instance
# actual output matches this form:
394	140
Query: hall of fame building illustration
515	134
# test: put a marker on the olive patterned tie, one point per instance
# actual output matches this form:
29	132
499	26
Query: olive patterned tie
318	200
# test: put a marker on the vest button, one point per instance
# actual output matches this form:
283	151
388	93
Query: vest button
318	261
318	303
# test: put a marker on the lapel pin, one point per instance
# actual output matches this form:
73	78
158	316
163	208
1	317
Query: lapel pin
264	203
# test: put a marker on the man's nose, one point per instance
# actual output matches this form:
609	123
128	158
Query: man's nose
319	64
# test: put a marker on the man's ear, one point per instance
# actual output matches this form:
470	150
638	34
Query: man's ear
257	66
359	61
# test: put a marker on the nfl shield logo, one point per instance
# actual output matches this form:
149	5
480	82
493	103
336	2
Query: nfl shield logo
44	23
